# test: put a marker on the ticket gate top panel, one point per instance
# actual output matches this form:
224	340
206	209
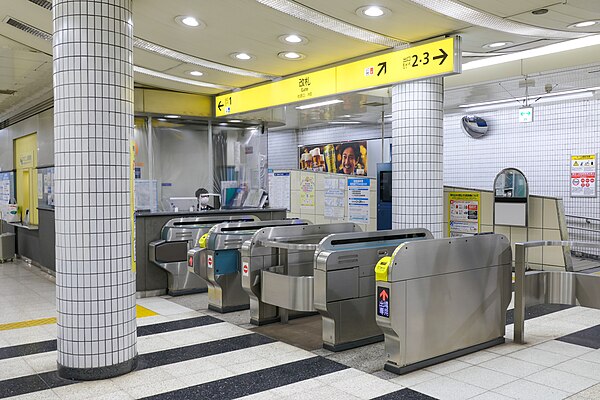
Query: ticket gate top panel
353	241
188	228
448	255
303	238
231	235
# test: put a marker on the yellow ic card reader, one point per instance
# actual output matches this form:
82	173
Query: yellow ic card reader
202	241
381	269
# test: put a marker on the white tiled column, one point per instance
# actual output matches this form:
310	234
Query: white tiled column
417	155
93	122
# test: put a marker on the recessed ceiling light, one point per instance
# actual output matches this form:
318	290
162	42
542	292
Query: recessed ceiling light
495	45
189	21
291	55
372	11
223	124
583	24
319	104
172	116
540	11
195	73
235	120
161	119
344	122
241	56
293	39
554	48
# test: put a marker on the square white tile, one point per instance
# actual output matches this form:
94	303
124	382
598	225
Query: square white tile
448	389
482	377
512	366
538	356
526	390
566	349
562	380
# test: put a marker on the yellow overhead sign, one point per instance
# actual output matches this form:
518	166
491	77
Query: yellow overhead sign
291	90
431	59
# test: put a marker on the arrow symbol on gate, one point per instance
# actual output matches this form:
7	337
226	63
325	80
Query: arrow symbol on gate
443	56
220	105
383	68
383	295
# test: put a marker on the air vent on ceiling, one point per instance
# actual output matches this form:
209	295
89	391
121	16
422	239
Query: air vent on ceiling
7	91
43	3
23	115
28	28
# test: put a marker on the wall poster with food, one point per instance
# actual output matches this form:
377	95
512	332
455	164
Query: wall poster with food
348	158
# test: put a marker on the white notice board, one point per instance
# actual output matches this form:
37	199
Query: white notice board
335	195
279	190
358	200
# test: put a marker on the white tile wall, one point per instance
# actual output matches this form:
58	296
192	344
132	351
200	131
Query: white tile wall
541	149
93	121
417	155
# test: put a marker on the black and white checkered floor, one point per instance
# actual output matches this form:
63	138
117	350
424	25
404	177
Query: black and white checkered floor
187	352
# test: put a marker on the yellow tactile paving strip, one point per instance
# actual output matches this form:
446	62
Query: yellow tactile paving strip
141	313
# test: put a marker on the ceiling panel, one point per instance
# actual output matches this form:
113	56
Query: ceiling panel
538	83
252	28
212	76
474	38
407	21
507	8
560	16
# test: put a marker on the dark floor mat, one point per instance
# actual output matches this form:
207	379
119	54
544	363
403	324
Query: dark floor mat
300	332
589	337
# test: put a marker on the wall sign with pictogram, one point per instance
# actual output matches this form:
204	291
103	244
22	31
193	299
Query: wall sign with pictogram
583	175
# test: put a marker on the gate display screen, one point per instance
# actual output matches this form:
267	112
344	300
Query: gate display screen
383	302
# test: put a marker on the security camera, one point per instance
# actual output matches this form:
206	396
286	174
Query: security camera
548	87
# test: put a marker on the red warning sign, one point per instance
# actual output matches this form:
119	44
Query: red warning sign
245	269
209	261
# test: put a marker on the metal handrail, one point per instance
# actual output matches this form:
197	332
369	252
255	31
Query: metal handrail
520	261
587	219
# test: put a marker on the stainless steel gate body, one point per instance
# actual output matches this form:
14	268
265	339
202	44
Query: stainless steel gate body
223	272
178	236
344	283
277	269
444	298
551	287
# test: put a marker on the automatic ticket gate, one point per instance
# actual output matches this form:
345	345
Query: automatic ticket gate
344	283
443	298
218	261
178	236
278	267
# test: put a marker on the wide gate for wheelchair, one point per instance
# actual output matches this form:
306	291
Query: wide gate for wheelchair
551	287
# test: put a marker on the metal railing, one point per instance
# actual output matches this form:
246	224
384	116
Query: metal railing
566	287
584	229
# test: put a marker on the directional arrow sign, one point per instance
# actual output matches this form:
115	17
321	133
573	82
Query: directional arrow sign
432	59
383	295
383	305
443	56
